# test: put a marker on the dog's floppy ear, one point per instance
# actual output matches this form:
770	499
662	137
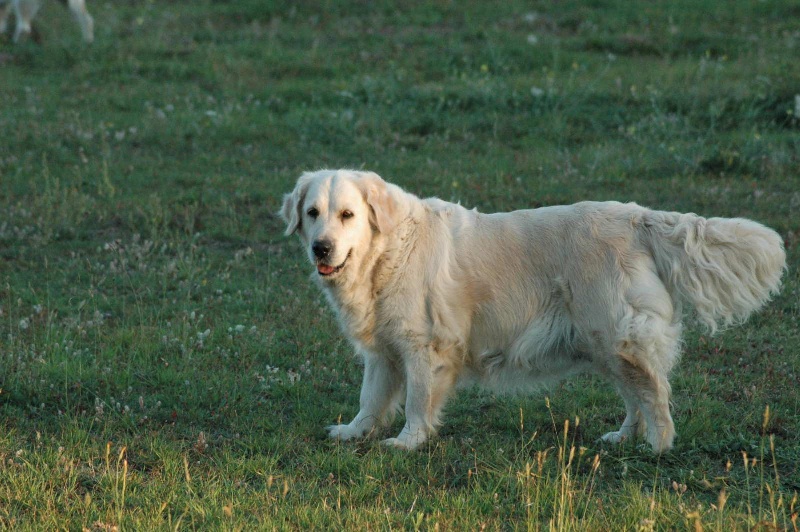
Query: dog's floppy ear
384	207
292	202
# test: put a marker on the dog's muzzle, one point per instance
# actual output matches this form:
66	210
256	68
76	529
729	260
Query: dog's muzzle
326	270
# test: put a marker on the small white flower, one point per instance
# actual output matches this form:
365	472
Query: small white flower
24	323
536	92
533	39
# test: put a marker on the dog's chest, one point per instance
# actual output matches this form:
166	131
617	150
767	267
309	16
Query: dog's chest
375	323
355	311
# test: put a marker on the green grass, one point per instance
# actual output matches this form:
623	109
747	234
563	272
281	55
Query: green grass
164	361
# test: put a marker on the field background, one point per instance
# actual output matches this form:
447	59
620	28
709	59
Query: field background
164	361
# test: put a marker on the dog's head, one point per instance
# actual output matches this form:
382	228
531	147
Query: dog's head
337	213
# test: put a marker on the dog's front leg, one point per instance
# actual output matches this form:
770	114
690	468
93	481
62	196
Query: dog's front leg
380	389
420	384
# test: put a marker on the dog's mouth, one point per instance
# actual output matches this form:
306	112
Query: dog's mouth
326	270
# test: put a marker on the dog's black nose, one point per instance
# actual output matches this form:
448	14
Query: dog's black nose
321	248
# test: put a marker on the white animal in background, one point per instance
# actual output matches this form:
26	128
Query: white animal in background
25	11
432	294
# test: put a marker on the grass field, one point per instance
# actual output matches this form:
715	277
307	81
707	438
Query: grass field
164	361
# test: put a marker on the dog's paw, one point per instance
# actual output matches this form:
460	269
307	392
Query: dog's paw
344	432
407	439
397	443
615	437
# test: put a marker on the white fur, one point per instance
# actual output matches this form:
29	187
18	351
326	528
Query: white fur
25	11
432	295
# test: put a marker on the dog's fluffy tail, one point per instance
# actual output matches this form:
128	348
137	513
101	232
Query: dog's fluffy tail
726	268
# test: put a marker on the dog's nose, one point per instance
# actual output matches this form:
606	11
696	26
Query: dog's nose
321	248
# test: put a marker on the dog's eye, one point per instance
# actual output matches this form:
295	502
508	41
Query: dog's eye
313	212
347	214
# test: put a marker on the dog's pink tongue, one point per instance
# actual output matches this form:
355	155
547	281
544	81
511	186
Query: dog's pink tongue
324	269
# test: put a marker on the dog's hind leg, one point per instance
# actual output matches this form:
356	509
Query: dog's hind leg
652	392
85	20
430	378
646	350
633	419
380	393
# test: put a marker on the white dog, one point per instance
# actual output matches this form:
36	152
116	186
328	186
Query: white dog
25	11
432	294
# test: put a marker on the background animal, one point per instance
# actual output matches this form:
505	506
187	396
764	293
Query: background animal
26	10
